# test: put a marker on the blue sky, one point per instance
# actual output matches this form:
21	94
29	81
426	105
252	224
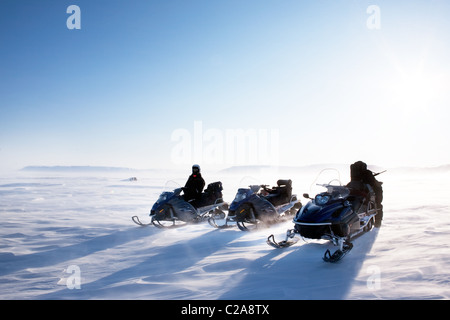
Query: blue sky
114	92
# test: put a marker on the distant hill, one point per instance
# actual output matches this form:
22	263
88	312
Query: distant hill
339	166
77	169
436	169
237	170
287	169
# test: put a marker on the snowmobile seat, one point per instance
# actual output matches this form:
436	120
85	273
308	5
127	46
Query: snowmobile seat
281	193
359	195
358	188
285	188
215	189
212	193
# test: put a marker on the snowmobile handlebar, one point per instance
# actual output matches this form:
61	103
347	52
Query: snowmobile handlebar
375	174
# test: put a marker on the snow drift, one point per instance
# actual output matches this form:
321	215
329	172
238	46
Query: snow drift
69	235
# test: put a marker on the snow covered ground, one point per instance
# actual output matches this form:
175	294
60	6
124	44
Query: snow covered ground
70	236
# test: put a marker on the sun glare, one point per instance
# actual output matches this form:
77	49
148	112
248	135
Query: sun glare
411	103
414	92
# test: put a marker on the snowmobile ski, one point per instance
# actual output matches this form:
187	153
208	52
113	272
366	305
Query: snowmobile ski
247	225
161	224
282	244
338	254
212	222
138	222
289	241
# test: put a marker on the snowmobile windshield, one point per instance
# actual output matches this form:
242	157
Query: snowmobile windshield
326	177
247	185
170	188
248	182
164	196
337	192
240	195
333	193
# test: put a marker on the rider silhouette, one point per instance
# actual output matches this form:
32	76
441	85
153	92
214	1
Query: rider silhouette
194	185
359	176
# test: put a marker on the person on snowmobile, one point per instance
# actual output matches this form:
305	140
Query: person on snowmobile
194	186
359	176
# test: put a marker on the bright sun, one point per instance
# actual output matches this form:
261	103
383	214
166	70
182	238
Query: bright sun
414	92
408	112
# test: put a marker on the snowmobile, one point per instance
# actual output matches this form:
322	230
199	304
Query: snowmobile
259	205
339	214
172	210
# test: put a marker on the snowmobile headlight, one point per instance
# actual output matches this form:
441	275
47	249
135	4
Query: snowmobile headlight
321	200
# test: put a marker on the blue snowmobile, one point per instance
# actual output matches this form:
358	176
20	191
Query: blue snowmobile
172	210
259	205
339	214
